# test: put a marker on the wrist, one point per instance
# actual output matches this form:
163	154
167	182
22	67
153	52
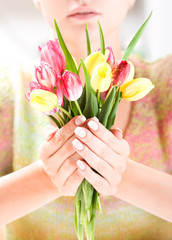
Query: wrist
49	182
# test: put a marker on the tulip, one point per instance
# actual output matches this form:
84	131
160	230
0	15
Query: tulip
136	89
52	54
93	60
109	56
71	86
101	77
46	75
120	72
33	86
43	100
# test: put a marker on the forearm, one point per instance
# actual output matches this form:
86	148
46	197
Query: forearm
147	188
24	191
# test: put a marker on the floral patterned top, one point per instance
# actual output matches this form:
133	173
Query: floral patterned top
149	134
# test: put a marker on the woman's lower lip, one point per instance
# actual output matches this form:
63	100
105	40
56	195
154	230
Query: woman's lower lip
82	16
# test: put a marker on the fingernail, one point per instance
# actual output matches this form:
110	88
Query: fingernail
77	144
80	132
93	125
120	135
95	119
80	120
81	165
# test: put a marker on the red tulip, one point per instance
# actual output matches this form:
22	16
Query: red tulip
52	54
71	85
120	72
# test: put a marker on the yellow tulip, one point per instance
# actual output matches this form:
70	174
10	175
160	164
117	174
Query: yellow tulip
43	100
101	77
93	60
136	89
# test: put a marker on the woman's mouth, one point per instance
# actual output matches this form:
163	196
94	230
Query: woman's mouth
82	13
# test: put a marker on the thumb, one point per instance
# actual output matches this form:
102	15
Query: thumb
49	131
117	132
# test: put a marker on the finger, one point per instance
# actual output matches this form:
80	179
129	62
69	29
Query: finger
97	146
117	132
98	182
62	135
119	146
49	131
67	168
97	163
54	162
74	181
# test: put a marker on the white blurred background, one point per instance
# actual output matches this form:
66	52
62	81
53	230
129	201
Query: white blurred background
22	28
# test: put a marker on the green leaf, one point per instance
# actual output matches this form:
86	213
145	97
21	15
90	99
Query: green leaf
70	64
88	40
79	68
87	80
135	39
82	99
102	41
112	115
91	108
107	106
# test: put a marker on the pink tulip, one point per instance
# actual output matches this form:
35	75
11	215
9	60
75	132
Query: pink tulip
120	72
59	92
46	75
71	85
52	54
110	57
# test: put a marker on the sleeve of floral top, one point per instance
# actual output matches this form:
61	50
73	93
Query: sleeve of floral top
162	75
6	119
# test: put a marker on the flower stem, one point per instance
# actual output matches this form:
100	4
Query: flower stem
56	121
98	99
60	118
64	111
78	107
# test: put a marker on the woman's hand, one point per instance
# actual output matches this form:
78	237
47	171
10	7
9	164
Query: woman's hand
59	157
103	152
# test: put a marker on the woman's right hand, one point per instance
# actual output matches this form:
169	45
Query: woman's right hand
59	157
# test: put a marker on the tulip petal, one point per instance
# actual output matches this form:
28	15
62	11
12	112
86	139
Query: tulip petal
120	72
136	89
52	54
109	56
93	60
42	100
45	75
101	77
131	72
71	85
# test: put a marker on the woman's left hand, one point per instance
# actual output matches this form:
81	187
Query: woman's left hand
104	153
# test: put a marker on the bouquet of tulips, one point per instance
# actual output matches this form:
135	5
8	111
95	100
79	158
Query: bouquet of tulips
59	93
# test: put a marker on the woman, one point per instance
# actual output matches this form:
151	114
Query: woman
146	125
